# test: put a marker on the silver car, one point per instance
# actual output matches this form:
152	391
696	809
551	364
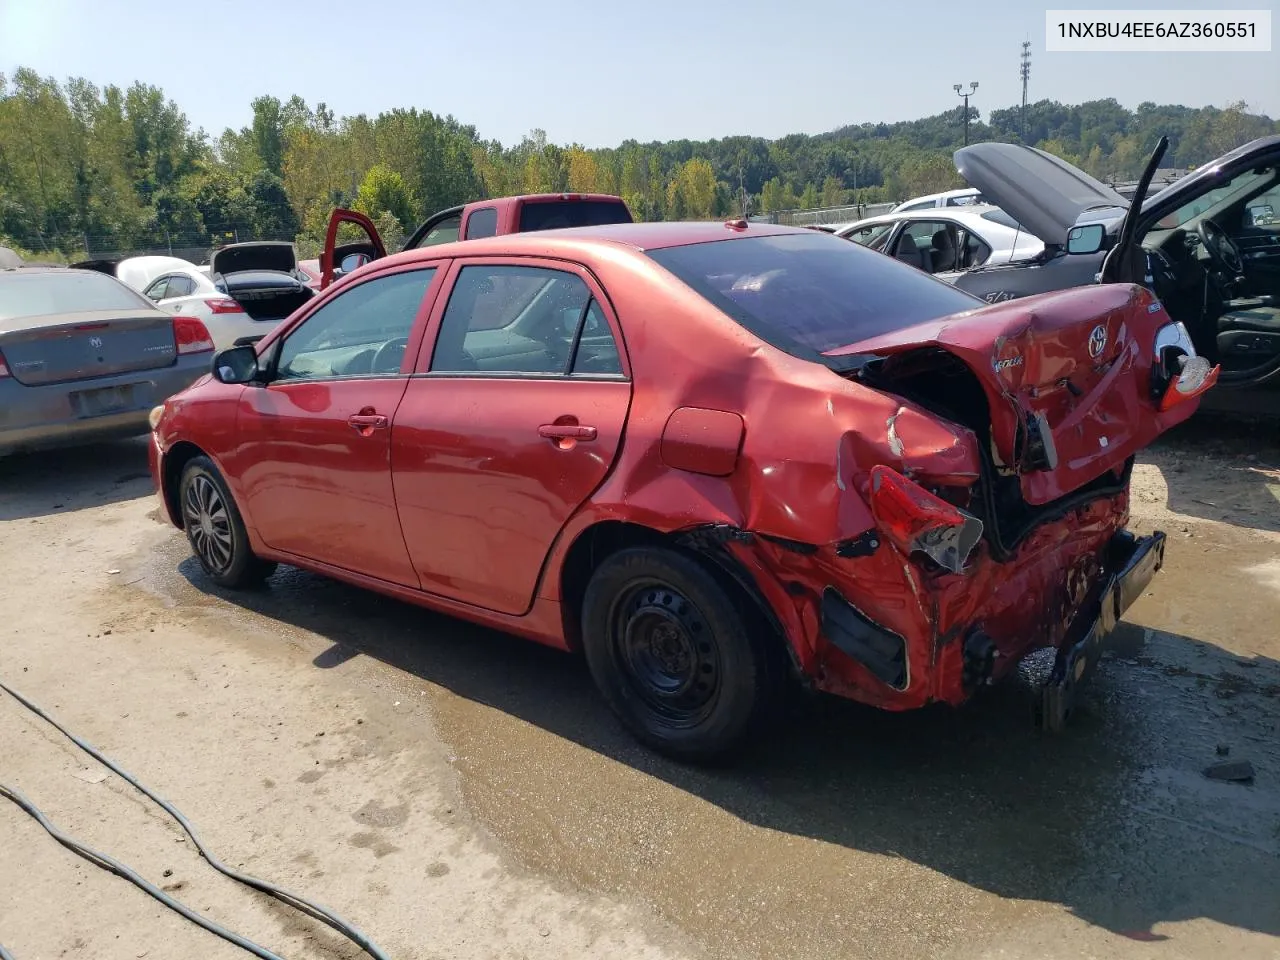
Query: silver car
947	241
85	358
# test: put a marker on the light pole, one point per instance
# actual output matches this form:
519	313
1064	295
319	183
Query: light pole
960	91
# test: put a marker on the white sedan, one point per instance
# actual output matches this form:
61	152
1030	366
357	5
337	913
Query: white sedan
944	241
180	287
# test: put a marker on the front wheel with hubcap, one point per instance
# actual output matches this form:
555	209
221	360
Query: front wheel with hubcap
215	528
670	651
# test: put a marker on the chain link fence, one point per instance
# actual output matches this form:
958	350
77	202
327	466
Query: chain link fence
828	215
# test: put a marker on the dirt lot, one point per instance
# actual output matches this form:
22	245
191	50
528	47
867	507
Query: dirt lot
458	793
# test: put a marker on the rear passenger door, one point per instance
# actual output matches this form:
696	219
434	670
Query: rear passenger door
512	419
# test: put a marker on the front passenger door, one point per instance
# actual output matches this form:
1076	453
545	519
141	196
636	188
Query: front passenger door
314	450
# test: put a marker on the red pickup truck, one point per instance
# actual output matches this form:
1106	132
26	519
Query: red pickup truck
483	218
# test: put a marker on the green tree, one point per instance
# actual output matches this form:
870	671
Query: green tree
384	191
273	217
832	192
771	196
583	171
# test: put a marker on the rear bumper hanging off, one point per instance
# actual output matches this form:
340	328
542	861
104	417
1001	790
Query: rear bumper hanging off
1131	565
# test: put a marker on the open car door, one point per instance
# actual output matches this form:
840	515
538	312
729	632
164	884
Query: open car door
336	259
1210	259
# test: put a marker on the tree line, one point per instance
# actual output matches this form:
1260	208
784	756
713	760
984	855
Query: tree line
84	168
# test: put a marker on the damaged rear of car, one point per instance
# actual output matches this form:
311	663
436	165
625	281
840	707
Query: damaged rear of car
982	455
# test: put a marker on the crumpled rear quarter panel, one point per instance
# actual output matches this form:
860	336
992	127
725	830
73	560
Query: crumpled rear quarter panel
1024	603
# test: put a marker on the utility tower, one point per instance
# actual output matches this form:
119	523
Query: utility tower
1026	76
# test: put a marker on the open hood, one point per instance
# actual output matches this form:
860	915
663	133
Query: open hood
278	256
1043	193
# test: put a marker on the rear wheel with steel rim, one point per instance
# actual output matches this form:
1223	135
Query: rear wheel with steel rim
668	645
215	528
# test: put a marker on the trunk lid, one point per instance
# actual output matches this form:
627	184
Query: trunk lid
1042	192
82	346
278	256
1067	379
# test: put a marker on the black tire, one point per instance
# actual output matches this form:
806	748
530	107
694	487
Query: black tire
674	653
215	528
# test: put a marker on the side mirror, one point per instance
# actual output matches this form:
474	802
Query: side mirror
1087	239
236	365
353	261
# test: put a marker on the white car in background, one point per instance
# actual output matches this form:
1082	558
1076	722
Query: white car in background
946	241
964	197
179	287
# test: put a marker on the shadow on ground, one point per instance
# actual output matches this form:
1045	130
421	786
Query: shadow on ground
1114	820
75	478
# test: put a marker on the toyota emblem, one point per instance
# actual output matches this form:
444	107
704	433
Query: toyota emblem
95	342
1098	340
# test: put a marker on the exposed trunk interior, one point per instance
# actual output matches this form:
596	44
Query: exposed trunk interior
943	384
267	296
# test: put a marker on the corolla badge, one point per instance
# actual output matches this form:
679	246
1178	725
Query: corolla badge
1098	340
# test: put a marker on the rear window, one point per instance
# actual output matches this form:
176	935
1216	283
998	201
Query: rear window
42	294
811	290
1002	218
556	214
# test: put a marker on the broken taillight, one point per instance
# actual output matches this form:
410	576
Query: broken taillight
916	521
1196	376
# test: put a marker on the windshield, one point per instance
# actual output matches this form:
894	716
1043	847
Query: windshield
1229	192
811	291
45	293
872	236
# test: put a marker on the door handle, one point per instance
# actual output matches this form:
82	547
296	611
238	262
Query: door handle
566	431
365	423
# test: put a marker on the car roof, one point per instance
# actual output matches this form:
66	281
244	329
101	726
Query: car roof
968	211
638	236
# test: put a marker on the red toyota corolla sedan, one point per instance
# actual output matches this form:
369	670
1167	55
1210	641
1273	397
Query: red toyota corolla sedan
710	456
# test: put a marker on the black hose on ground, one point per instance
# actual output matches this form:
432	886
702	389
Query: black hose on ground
120	870
303	905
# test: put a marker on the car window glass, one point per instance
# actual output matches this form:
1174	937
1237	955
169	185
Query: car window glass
976	251
361	332
157	290
807	291
1236	188
1002	218
510	319
38	293
446	231
180	287
868	236
1263	210
597	351
482	223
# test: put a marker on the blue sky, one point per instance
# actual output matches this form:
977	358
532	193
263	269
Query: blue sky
598	73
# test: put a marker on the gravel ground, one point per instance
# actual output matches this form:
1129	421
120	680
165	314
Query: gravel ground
459	793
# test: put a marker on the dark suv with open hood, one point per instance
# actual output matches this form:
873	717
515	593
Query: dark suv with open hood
1208	246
